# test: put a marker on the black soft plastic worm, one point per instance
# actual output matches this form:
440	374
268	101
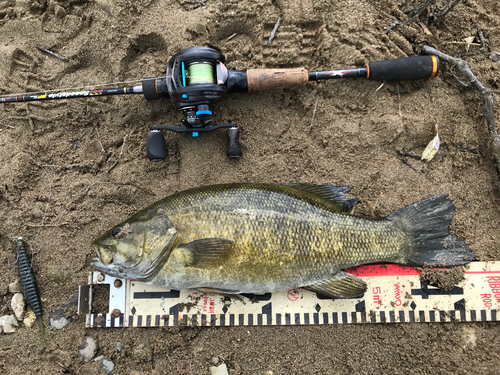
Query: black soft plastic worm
29	284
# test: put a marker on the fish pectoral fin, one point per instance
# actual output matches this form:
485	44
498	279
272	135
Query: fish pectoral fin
339	285
335	195
208	251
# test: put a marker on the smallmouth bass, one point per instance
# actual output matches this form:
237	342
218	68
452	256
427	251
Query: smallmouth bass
260	238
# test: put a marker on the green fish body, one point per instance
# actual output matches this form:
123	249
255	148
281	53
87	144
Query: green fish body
259	238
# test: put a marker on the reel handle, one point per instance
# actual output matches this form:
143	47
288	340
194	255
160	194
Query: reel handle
156	148
233	142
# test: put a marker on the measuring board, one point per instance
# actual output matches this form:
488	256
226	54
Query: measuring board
395	294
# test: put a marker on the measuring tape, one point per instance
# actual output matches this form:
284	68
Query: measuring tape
395	294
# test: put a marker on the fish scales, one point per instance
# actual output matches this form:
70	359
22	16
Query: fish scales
278	238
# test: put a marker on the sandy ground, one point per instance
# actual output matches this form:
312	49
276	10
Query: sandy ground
51	152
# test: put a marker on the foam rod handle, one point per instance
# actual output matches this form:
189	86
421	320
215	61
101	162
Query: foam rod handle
405	69
273	79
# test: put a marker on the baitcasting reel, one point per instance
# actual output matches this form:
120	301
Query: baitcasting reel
197	76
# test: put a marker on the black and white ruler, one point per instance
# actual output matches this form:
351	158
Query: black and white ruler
395	295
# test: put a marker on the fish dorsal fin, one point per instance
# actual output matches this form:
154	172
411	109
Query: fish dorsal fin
208	251
339	285
335	195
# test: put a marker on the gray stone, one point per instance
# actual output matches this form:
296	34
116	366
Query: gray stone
87	349
220	370
8	323
15	287
58	319
119	346
107	365
17	304
215	360
99	358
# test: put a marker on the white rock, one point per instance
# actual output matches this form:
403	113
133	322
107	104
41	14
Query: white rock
59	323
220	370
8	323
17	304
15	287
87	349
469	338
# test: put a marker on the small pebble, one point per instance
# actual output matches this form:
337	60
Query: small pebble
87	349
99	358
15	287
58	319
4	289
30	319
8	323
220	370
59	323
17	304
215	360
119	346
107	365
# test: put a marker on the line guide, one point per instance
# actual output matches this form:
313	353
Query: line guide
395	294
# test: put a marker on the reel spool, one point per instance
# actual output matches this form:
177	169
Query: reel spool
195	77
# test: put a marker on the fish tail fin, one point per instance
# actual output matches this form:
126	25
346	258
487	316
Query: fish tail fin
430	243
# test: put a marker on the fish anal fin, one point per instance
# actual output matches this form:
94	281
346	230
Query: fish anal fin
208	251
339	285
334	195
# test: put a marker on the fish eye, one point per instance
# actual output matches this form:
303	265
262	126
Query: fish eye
116	231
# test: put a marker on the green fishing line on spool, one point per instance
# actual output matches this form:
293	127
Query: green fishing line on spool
201	73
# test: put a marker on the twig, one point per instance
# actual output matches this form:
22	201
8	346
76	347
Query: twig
66	369
382	85
439	17
487	95
480	33
405	162
314	112
231	37
404	153
99	140
46	225
419	9
110	169
53	53
394	24
275	29
470	44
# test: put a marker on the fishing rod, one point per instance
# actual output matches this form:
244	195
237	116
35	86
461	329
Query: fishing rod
197	76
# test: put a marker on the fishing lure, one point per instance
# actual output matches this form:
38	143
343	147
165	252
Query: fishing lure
29	284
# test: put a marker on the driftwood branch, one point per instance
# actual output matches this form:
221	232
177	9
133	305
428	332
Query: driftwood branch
487	95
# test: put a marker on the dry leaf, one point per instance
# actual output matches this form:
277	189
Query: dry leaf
424	27
432	148
468	40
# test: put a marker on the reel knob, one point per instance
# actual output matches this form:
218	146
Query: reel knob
233	142
156	147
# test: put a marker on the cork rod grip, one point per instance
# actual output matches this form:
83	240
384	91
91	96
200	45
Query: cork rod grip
273	79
